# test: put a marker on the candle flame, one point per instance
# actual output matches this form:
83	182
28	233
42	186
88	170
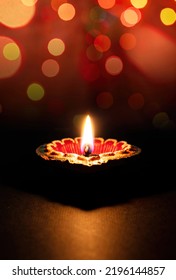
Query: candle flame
87	136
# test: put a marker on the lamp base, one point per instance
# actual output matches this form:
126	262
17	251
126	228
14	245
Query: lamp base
68	149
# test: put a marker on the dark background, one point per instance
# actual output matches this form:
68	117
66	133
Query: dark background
124	209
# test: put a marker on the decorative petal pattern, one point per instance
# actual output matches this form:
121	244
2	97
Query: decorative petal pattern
104	150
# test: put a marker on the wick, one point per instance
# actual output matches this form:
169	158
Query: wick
87	150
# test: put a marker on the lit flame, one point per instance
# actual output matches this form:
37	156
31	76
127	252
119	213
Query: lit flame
87	136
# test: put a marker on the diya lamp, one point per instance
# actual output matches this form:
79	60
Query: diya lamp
87	150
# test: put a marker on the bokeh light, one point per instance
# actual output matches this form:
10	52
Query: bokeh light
162	120
15	14
56	47
89	50
50	68
11	51
136	101
104	100
66	11
10	57
35	91
168	16
55	4
29	3
113	65
139	4
127	41
130	17
102	43
106	4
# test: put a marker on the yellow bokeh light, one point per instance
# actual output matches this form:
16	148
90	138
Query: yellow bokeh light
168	16
50	68
56	47
10	57
106	4
66	11
113	65
139	3
35	92
15	14
11	51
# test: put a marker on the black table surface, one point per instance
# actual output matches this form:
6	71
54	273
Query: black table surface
120	210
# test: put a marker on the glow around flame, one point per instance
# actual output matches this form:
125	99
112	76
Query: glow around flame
87	135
